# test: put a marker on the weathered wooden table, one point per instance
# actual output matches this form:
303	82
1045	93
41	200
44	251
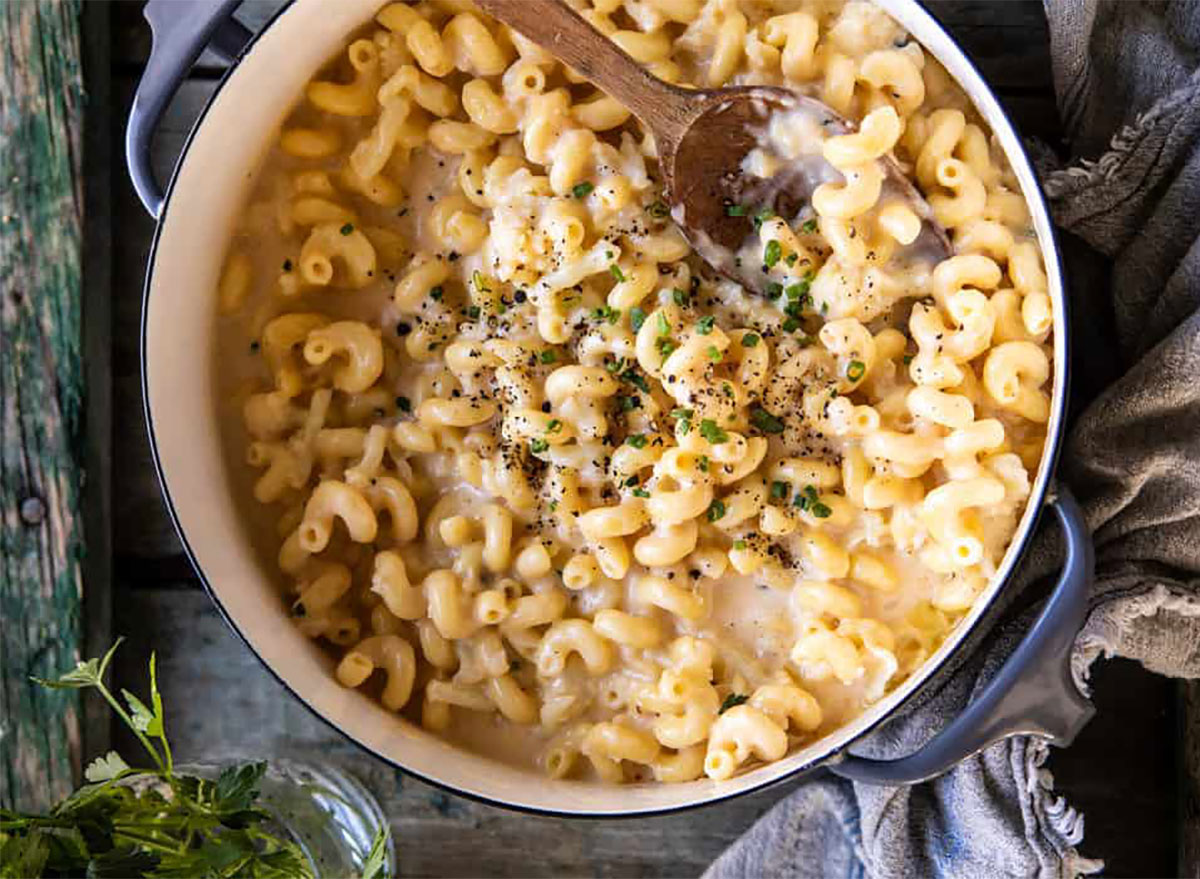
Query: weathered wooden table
73	246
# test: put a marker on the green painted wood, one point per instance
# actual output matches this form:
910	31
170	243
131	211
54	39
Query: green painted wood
41	394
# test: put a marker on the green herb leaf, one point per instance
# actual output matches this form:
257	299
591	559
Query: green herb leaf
712	432
606	313
480	282
855	370
713	354
664	325
780	490
640	492
704	326
736	210
106	768
765	421
733	699
716	510
555	426
637	317
582	190
739	545
537	446
762	216
750	340
237	786
615	271
820	510
772	253
347	229
375	865
637	440
436	293
658	210
84	674
549	355
809	226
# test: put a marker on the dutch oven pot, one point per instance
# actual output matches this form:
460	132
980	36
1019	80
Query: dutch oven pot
1033	693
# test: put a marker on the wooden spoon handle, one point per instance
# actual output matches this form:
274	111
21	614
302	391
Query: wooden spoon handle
663	108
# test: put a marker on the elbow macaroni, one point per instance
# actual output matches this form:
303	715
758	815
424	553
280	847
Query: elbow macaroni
530	462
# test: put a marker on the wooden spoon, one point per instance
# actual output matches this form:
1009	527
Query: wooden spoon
702	136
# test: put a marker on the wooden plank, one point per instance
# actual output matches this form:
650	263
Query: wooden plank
97	338
1007	40
1189	779
41	394
246	712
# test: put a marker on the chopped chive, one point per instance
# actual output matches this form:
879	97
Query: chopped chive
702	463
750	340
704	326
538	445
734	699
582	190
820	510
637	317
637	440
809	226
855	370
555	426
791	325
658	210
680	297
772	253
473	312
664	326
640	492
615	271
347	229
632	481
765	421
606	313
480	284
739	545
548	356
716	510
774	290
780	490
711	432
736	210
762	216
713	354
436	293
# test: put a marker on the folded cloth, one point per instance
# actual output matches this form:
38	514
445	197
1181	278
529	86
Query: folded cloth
1128	85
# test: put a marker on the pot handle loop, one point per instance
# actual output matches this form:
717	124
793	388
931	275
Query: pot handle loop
1034	692
182	29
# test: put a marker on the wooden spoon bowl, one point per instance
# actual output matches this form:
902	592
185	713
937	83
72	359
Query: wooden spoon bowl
703	136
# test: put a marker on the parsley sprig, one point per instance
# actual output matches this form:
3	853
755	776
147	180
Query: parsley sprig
173	826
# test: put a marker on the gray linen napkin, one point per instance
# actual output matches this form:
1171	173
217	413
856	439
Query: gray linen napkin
1128	86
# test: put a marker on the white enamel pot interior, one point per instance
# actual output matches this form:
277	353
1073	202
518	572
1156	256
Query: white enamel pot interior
205	195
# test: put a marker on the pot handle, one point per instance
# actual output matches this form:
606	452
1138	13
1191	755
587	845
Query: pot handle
182	29
1033	693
